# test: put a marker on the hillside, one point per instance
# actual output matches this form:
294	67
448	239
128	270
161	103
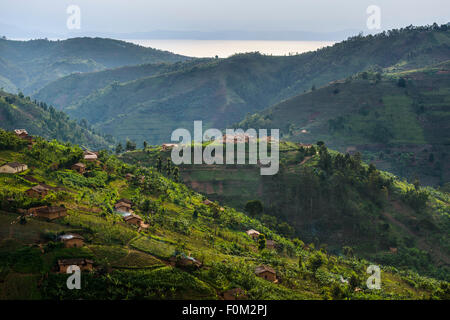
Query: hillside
330	199
68	90
27	66
398	120
223	91
19	112
134	263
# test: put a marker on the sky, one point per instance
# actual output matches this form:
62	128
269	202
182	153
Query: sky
128	16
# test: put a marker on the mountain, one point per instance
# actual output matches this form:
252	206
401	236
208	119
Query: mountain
70	89
221	92
19	112
332	199
29	65
398	120
14	32
184	249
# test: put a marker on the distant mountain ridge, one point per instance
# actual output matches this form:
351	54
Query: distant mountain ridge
29	65
221	92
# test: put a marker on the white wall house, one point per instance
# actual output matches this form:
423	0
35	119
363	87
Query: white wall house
13	167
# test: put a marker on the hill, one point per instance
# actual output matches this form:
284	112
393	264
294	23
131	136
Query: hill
150	262
398	120
29	65
70	89
19	112
223	91
335	200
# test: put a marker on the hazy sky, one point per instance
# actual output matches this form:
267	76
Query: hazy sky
213	15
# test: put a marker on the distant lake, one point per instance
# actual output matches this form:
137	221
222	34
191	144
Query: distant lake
225	48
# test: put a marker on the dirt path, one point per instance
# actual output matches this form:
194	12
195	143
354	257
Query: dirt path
305	160
421	243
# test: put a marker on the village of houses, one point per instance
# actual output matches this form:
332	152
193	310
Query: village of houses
123	207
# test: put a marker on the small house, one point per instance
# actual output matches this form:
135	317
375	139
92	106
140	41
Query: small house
267	273
13	167
393	250
50	213
72	240
82	263
208	202
133	219
234	294
21	133
122	206
169	146
253	234
125	200
39	191
90	156
129	176
79	167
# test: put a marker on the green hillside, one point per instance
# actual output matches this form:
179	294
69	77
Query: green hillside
223	91
19	112
29	65
132	263
68	90
398	120
333	200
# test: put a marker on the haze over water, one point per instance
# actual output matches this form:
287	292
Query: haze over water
226	48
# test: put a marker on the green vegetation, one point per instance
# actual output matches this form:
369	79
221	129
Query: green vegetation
223	91
19	112
403	130
30	65
133	263
332	200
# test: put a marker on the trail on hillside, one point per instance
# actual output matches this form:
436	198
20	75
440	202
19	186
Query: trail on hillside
434	251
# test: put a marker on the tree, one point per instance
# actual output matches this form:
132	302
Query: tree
195	214
286	229
130	145
354	281
159	164
301	265
261	241
169	166
119	148
145	145
401	82
416	183
176	174
348	251
254	207
316	261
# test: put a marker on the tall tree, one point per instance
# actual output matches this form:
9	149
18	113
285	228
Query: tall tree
254	207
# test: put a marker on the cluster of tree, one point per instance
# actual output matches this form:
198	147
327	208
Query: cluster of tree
129	146
47	121
169	169
9	141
